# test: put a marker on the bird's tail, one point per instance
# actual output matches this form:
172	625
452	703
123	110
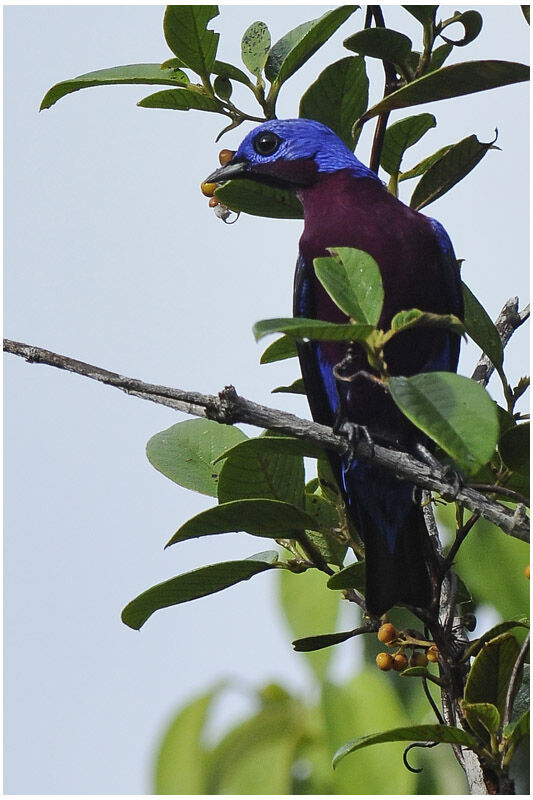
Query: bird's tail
400	561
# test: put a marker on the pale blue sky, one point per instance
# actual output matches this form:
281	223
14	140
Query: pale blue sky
112	256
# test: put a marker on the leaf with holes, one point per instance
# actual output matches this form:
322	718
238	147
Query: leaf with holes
187	35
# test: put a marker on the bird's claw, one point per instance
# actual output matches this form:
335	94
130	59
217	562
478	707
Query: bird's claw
354	433
447	473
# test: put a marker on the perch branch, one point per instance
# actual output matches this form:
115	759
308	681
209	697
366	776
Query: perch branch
228	408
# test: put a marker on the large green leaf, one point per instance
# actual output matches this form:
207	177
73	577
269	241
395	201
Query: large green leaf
192	585
259	516
187	35
514	448
182	757
260	200
414	733
452	167
186	452
256	757
255	46
483	718
414	318
492	633
367	703
481	328
181	100
453	81
297	46
308	609
317	329
352	278
454	411
279	350
338	97
401	135
261	471
351	577
490	673
129	73
225	70
383	43
274	443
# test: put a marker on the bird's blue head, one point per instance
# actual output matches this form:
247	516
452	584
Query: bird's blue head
290	153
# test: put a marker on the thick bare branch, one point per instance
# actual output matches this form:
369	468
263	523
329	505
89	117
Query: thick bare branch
228	408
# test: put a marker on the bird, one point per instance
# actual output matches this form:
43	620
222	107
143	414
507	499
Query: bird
346	204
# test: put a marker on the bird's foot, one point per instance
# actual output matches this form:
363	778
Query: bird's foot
447	473
354	433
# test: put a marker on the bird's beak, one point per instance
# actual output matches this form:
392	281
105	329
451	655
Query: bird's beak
233	169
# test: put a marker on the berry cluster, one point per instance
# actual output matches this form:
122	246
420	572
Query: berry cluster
422	652
208	189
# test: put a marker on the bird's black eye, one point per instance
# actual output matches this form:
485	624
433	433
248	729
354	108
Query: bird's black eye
266	143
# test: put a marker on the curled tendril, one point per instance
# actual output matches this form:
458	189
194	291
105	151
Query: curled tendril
410	747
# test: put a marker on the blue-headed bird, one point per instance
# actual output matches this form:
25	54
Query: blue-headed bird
345	204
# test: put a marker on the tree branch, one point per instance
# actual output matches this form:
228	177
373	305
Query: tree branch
509	319
228	408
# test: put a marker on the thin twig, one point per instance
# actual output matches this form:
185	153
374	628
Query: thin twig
228	408
511	689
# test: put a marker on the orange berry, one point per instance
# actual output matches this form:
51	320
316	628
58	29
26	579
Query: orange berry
432	654
418	659
387	633
225	155
384	661
399	662
213	201
208	189
527	572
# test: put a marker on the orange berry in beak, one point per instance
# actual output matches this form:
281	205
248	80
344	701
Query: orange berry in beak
208	189
225	155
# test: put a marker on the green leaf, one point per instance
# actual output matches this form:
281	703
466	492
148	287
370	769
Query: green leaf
297	46
352	278
453	81
309	608
414	733
260	200
439	56
225	70
491	670
492	633
338	97
425	319
222	87
514	448
279	444
271	519
311	643
296	387
126	74
351	577
451	168
329	547
279	350
424	165
525	11
186	452
423	14
182	757
472	22
192	585
520	731
255	47
481	328
454	411
260	471
383	43
369	702
302	328
401	135
181	100
483	718
187	35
